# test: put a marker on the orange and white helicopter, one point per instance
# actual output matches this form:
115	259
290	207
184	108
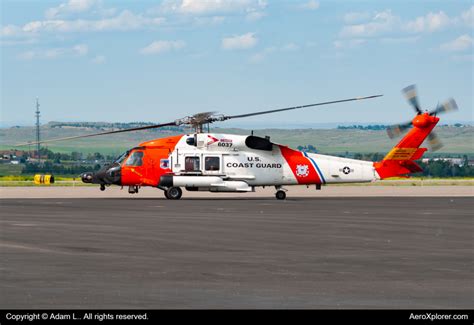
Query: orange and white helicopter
217	162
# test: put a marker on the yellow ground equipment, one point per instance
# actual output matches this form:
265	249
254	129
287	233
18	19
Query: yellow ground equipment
44	179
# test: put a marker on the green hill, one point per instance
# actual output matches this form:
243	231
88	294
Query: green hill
457	140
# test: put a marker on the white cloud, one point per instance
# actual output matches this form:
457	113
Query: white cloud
208	21
81	49
356	17
239	42
399	40
467	17
159	47
255	15
203	7
380	23
260	56
70	7
463	58
10	30
252	10
349	44
384	22
429	23
461	43
126	20
18	42
99	59
345	44
78	50
201	12
290	47
310	5
28	55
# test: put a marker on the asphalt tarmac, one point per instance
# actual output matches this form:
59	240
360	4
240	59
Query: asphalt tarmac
378	252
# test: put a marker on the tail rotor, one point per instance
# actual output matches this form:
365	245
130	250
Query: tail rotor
411	95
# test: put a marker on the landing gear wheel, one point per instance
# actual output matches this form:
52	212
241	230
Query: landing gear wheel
173	193
102	187
280	195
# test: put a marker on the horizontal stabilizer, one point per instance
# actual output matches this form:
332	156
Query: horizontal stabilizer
412	166
395	168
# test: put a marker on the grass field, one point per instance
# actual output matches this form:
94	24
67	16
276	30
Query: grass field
457	141
11	170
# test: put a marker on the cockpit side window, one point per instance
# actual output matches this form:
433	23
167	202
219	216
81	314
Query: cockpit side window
135	159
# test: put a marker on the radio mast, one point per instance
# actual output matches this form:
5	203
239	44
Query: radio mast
37	114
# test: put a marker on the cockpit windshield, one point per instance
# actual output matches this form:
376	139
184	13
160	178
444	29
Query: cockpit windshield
121	158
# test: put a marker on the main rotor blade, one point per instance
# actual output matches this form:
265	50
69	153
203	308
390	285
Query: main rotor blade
197	119
412	97
100	133
224	118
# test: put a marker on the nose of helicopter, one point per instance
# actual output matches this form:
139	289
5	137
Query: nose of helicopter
87	177
106	175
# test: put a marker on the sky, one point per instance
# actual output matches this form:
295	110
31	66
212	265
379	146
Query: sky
124	61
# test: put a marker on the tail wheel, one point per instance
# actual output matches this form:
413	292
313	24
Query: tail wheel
173	193
280	195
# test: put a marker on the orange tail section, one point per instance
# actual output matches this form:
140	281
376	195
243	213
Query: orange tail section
400	160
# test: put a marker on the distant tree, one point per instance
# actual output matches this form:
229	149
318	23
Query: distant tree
76	156
375	127
50	167
307	148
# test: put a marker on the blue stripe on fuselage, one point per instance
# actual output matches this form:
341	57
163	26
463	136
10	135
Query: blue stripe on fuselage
315	166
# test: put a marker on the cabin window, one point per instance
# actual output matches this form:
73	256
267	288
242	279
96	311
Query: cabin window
212	163
135	159
191	164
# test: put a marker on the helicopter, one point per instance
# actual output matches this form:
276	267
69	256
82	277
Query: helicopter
214	162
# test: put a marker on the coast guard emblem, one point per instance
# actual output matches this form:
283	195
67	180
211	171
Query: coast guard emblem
164	163
302	170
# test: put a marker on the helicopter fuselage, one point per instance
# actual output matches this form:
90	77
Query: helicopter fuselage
227	163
